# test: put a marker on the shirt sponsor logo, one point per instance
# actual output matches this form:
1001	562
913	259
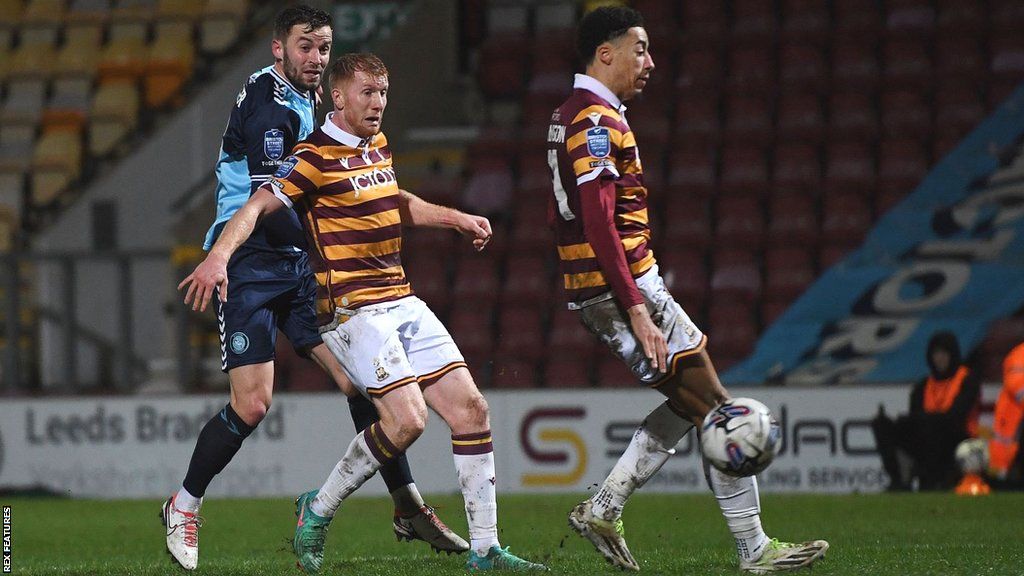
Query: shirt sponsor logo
373	179
273	144
598	142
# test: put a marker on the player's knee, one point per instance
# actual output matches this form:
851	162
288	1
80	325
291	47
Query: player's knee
254	410
405	427
477	413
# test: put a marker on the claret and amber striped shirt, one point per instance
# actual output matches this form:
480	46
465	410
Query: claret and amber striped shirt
346	190
589	140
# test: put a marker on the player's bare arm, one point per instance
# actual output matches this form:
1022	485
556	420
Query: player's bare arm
212	273
416	211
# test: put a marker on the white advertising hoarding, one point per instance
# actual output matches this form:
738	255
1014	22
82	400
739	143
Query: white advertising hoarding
545	441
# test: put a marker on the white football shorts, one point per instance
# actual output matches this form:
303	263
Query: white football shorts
609	322
388	345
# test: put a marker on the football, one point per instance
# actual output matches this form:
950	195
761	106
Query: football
972	455
740	437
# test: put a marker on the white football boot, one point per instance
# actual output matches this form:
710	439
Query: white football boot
781	556
182	534
607	536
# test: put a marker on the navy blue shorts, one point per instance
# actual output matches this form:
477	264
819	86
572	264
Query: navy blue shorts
267	291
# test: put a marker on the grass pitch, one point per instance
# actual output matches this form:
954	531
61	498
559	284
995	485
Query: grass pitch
926	534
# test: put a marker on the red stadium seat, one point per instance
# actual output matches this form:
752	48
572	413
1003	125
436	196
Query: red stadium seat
700	68
792	220
501	72
520	334
659	17
429	278
858	19
958	18
906	114
686	277
914	18
568	338
803	68
1007	16
732	331
754	22
476	279
797	168
697	118
800	118
513	373
471	329
1008	57
613	373
960	59
692	172
687	223
851	117
703	21
533	235
907	64
735	275
744	171
902	166
651	127
748	119
854	65
788	272
489	189
850	166
771	310
751	70
567	373
526	281
846	218
805	21
958	107
831	254
740	222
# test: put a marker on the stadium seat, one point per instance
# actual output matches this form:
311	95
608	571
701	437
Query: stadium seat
792	220
846	218
960	59
735	275
567	373
850	166
183	10
854	65
659	18
43	14
700	69
851	117
686	277
613	373
520	333
754	22
526	281
731	331
687	223
134	11
91	12
704	21
220	24
513	373
751	69
489	189
16	140
797	168
69	104
692	172
902	165
802	67
568	338
33	59
740	222
958	18
909	18
24	102
800	118
533	235
771	310
1008	58
471	328
748	119
502	70
906	114
79	57
124	57
649	125
428	274
907	64
1007	16
56	162
696	118
958	107
476	279
857	19
170	64
744	171
115	109
805	21
788	272
10	17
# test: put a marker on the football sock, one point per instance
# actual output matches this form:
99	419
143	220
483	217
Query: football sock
474	463
395	472
186	502
217	444
738	498
653	442
364	456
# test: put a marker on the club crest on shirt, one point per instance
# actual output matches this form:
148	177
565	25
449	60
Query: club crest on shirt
286	167
382	373
598	142
239	342
273	144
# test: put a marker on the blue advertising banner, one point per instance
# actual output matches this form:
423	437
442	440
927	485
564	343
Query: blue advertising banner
948	257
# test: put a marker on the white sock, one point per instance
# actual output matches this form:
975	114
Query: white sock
474	463
407	499
653	442
741	505
186	502
358	466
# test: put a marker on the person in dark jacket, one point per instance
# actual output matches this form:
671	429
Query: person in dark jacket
943	412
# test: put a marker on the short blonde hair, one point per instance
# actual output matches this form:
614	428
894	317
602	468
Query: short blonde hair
346	66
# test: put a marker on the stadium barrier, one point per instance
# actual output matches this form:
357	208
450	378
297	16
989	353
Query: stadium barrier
545	441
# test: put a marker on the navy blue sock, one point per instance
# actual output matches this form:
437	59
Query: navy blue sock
217	444
395	472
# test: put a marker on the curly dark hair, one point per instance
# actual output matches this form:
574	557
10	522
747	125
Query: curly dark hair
313	18
603	25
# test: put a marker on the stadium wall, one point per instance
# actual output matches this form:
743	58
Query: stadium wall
545	441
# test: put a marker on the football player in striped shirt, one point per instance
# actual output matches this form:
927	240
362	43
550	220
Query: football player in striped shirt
393	348
599	211
273	287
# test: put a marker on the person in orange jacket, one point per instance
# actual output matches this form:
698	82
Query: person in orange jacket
943	412
1005	459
